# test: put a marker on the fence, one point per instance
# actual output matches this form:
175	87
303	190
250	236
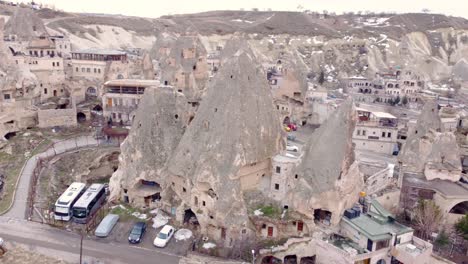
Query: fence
55	149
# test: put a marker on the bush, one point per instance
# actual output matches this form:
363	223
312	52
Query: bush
462	227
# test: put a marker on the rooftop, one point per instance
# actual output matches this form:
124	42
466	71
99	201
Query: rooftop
377	224
132	82
447	188
100	52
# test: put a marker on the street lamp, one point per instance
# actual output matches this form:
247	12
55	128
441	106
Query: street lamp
253	256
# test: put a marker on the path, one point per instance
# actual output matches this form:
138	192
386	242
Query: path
20	201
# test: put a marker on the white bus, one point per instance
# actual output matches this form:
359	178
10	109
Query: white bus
89	203
63	210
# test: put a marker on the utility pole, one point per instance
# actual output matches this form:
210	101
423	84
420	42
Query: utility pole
81	246
253	256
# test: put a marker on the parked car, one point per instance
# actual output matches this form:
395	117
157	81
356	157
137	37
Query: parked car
291	137
164	236
137	232
106	225
292	148
292	126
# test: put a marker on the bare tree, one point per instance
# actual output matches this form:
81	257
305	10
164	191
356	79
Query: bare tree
427	217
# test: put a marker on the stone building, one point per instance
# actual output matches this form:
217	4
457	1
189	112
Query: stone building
100	64
376	132
121	98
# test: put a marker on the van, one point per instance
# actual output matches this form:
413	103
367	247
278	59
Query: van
106	225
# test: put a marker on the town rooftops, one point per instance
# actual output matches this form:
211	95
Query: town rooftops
132	83
41	43
100	52
377	224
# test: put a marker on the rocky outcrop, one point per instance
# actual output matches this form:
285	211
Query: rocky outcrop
236	126
328	175
25	25
429	151
156	131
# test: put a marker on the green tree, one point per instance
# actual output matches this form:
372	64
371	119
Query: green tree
427	217
442	239
404	101
462	227
321	79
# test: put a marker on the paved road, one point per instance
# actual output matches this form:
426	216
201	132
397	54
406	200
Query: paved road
67	245
18	210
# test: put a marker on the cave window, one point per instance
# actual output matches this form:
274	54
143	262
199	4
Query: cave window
176	116
204	203
276	186
194	67
125	190
7	96
296	176
216	110
196	200
244	231
184	190
232	76
263	226
45	91
173	183
278	169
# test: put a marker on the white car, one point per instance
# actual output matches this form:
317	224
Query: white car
164	236
292	148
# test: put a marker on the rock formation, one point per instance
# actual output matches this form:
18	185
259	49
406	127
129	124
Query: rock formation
236	126
183	64
25	25
429	151
328	175
156	131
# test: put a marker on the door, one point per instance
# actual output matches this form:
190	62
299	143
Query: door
109	101
270	231
300	226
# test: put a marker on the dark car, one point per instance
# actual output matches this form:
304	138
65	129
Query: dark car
136	235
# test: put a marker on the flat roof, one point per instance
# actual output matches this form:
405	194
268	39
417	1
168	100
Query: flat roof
132	82
446	188
374	229
100	52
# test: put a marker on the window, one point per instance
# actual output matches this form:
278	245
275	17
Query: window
58	64
389	134
7	96
278	169
364	132
82	69
296	176
383	134
45	91
88	70
114	115
53	64
119	115
276	186
77	69
184	190
95	70
359	132
203	203
99	70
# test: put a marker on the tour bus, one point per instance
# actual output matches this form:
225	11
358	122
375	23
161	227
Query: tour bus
63	210
89	203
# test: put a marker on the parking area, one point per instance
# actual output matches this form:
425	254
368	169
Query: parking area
121	230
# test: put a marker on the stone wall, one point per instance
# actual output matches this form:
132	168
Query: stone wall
57	117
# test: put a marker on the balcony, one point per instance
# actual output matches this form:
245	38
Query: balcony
120	108
416	251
